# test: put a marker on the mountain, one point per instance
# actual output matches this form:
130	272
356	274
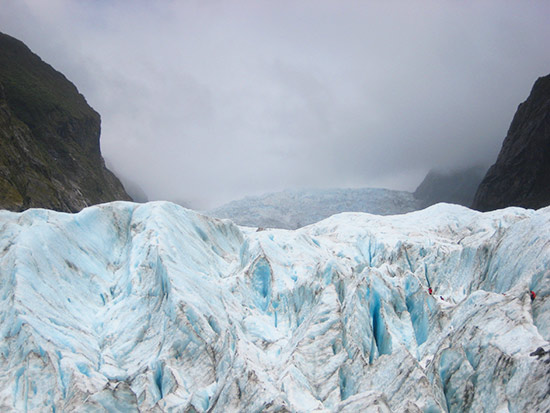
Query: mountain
292	209
521	174
49	138
453	187
152	307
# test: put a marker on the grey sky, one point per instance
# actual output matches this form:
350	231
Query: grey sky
207	101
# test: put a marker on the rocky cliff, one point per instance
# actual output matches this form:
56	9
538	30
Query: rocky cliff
521	174
49	138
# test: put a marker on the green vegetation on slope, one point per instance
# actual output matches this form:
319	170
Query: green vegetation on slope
49	138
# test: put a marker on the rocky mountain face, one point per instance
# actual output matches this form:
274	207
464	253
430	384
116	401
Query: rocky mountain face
129	307
49	138
453	187
521	174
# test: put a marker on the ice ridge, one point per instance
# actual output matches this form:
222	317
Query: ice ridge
153	307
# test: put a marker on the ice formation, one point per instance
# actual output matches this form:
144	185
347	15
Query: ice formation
293	209
127	307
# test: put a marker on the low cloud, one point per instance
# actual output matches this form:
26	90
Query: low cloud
204	102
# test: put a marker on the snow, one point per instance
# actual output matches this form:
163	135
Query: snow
293	209
155	307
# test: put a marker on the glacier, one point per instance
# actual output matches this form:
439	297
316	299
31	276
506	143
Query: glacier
154	307
292	209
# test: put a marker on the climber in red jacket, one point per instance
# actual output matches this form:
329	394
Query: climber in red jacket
430	291
533	295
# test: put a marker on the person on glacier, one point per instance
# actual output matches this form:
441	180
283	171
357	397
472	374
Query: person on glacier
430	291
533	295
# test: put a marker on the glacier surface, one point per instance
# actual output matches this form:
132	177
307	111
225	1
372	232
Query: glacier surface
292	209
153	307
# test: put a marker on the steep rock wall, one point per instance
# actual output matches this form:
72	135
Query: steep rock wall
521	174
49	138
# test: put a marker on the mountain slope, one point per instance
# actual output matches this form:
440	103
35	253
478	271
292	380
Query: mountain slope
293	209
154	307
454	187
521	174
49	138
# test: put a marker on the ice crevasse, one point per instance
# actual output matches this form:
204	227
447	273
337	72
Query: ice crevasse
153	307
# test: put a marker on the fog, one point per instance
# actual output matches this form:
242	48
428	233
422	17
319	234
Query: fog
203	102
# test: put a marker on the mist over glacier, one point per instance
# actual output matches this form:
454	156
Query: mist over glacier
293	209
158	308
204	102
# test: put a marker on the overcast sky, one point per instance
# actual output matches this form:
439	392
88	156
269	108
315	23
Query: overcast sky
207	101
